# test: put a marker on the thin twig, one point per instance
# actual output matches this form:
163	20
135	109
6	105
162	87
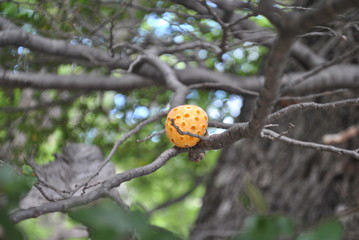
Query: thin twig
224	87
198	181
266	133
311	96
98	193
185	132
43	193
151	136
311	105
40	181
116	146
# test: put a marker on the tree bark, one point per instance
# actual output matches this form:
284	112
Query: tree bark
305	184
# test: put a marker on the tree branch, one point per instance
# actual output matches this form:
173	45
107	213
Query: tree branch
116	146
98	193
18	37
311	106
180	90
72	82
270	90
266	133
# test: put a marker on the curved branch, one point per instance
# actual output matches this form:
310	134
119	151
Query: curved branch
180	90
100	192
123	138
308	106
266	133
18	37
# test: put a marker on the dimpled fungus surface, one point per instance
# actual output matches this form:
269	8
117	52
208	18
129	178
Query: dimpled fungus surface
188	118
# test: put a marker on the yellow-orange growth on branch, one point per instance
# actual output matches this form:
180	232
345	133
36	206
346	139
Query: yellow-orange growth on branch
189	118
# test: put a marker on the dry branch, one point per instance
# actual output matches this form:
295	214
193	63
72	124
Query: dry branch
266	133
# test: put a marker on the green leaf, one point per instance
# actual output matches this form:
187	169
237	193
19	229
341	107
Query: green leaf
255	197
9	9
13	185
27	170
328	230
10	231
108	221
260	227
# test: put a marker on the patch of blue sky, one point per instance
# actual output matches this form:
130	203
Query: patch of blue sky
211	4
120	100
234	104
20	50
119	115
226	57
29	28
162	25
202	54
193	95
130	117
141	112
178	39
155	138
228	119
74	42
218	103
215	130
213	24
238	53
90	135
219	66
86	41
213	113
220	94
183	28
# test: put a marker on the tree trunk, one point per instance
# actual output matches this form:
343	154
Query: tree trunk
307	185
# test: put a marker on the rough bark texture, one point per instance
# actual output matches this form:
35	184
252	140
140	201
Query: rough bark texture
307	185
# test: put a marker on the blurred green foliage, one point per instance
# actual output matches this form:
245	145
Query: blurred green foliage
12	186
329	230
102	118
273	227
266	227
108	221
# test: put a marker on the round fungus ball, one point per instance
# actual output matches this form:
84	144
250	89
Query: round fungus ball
189	118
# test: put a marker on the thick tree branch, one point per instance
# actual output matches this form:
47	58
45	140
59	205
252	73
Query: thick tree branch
336	77
299	51
180	90
270	90
18	37
347	56
324	12
72	82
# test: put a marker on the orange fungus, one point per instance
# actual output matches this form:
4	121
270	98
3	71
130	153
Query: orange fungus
189	118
